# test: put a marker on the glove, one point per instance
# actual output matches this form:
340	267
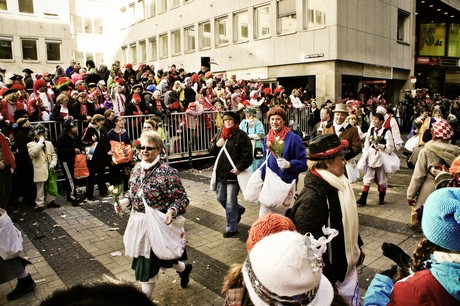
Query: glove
381	146
220	142
390	272
253	136
410	202
282	163
51	166
395	253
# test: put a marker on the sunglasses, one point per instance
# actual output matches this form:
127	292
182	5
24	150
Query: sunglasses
149	148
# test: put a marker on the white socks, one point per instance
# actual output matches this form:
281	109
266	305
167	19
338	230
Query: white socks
147	287
180	267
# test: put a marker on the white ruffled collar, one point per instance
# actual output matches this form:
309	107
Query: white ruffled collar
147	166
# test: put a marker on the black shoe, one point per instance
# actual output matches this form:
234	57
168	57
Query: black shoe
39	209
24	285
230	234
53	204
75	203
240	213
185	275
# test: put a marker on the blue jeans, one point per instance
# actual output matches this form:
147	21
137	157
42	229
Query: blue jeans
227	195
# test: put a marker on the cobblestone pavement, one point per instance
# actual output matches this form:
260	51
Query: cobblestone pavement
70	245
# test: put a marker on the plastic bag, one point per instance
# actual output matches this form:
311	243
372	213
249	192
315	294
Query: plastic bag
275	192
10	237
122	152
51	186
81	167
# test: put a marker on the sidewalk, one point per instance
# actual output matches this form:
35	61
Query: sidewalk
70	245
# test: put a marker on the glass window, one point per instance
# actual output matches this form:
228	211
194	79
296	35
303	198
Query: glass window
150	8
6	50
53	50
124	54
3	5
175	42
29	49
77	23
453	47
241	26
221	31
133	51
139	10
88	25
314	13
164	48
98	28
189	35
287	18
143	51
163	6
26	6
51	8
205	35
262	21
153	48
130	14
99	58
79	57
175	3
434	43
403	26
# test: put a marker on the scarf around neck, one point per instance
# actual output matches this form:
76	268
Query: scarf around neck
349	215
227	132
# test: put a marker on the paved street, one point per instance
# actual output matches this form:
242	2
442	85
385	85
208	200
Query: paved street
70	245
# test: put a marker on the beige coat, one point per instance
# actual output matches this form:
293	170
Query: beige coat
42	159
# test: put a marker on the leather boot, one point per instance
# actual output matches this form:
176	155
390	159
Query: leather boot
382	197
362	200
24	285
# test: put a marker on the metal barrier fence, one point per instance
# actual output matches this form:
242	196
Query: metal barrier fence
183	139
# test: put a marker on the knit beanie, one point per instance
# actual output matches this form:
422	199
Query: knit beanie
441	218
266	225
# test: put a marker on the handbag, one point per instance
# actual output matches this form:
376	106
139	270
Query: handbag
243	176
255	184
51	186
122	152
10	237
81	167
258	153
275	192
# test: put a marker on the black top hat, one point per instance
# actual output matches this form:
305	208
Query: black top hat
16	77
326	146
137	86
234	115
27	70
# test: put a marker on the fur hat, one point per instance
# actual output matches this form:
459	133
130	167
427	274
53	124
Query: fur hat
266	225
441	218
285	268
234	115
326	146
442	129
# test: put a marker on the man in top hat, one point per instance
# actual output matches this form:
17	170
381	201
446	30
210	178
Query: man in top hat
344	130
28	79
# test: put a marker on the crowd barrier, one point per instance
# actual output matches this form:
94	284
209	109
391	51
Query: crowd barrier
185	141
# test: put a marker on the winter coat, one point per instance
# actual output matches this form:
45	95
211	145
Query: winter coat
65	147
350	133
257	132
42	159
100	153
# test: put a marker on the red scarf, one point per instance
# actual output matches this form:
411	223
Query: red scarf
227	132
272	135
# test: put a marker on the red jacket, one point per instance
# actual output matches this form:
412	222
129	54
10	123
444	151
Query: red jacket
4	110
421	289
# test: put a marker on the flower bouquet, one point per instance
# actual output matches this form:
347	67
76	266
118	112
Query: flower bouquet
115	192
277	147
375	140
136	145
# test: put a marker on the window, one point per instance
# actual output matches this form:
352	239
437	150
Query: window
139	10
454	40
53	50
99	58
29	49
287	18
175	3
175	42
133	53
163	6
6	50
153	48
79	57
221	31
262	21
3	5
77	22
51	8
164	45
240	21
124	54
143	51
98	28
403	26
150	8
189	35
130	14
26	6
205	35
314	14
88	25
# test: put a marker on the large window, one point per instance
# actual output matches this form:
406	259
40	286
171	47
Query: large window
26	6
29	49
143	51
3	5
139	10
403	26
164	48
133	53
314	13
150	8
205	35
221	28
262	21
163	6
189	36
53	50
454	40
175	42
87	25
433	42
287	18
240	21
6	50
124	54
153	48
175	3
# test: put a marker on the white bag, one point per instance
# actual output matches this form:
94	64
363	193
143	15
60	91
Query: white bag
275	192
167	241
412	142
10	237
255	184
352	171
213	182
243	176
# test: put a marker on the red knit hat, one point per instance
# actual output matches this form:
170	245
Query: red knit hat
39	83
17	86
266	225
